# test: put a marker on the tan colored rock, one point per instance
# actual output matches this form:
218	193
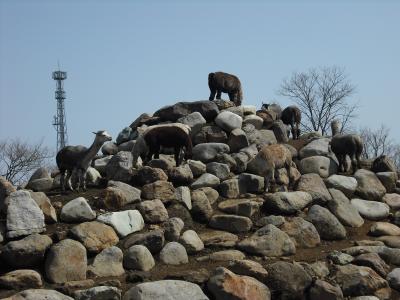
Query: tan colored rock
162	190
384	228
21	279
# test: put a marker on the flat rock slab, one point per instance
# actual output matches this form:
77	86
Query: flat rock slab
165	289
346	184
384	228
341	207
123	222
287	202
371	210
218	238
231	223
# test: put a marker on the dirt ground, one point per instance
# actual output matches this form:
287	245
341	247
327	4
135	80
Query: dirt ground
185	272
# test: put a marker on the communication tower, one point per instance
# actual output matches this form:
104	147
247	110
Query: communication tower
59	121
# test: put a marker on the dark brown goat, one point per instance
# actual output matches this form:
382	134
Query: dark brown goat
220	82
347	144
168	137
291	115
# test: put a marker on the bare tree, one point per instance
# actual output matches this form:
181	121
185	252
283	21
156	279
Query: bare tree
18	160
322	96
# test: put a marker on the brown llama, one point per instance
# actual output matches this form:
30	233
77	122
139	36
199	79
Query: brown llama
220	82
168	136
291	115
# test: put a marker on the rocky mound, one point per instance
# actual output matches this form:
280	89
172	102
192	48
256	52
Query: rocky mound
205	229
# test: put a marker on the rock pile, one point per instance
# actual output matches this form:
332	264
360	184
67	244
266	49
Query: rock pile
205	229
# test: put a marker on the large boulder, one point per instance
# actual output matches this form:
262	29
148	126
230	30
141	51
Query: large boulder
191	241
318	147
383	163
228	121
287	281
41	184
100	164
109	148
153	240
328	226
153	211
165	289
66	261
225	284
287	202
119	168
118	194
194	120
148	174
341	207
76	211
201	206
394	279
371	210
125	135
208	109
254	120
268	241
315	186
95	236
206	180
248	268
123	222
27	252
388	179
220	170
210	134
303	233
24	216
207	152
163	190
369	187
321	165
358	280
218	238
21	279
345	184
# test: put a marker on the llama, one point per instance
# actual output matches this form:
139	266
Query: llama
269	158
77	159
346	144
220	82
174	135
291	115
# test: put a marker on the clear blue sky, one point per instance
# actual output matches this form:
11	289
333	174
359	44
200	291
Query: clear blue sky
128	57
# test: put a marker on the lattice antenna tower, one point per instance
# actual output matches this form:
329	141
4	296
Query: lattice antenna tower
59	121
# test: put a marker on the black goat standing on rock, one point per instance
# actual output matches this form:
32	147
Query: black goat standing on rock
220	82
291	115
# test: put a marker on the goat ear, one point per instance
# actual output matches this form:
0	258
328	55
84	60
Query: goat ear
94	132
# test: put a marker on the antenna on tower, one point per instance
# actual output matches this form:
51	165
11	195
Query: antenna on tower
59	121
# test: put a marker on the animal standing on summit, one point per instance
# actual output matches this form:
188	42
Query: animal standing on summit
220	82
77	159
276	108
346	144
291	115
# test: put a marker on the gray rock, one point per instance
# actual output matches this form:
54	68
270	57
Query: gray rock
277	221
107	263
328	226
39	173
162	190
248	268
206	180
374	261
388	179
27	252
394	279
118	194
369	187
225	255
241	160
182	195
324	290
6	188
393	200
384	228
119	168
125	135
225	284
98	293
210	193
24	216
21	279
208	109
148	174
165	289
66	261
321	165
181	175
50	215
287	281
228	121
371	210
347	185
231	223
109	148
237	140
138	257
153	211
100	164
126	146
76	211
197	167
318	147
314	185
174	253
251	183
191	241
153	240
358	280
35	294
93	177
207	152
241	207
280	131
230	188
41	184
254	120
218	169
201	207
268	241
390	255
340	258
210	134
195	120
123	222
341	207
173	228
287	202
302	232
